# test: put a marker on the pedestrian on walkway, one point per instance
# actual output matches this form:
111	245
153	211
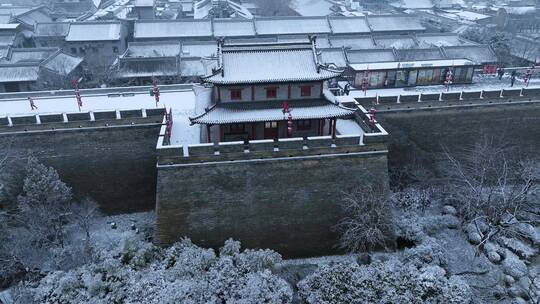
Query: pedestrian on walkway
500	72
513	78
32	104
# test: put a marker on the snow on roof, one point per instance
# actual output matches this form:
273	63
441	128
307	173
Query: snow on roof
394	23
19	73
419	54
148	68
398	42
368	56
14	10
193	67
9	26
413	4
36	15
262	64
312	7
477	53
355	42
154	49
410	64
51	29
322	41
291	25
5	18
226	113
334	56
468	15
155	29
20	55
94	31
348	25
199	49
233	28
520	10
63	64
144	3
172	29
430	40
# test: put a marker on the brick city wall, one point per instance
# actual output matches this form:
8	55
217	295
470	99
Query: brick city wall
110	160
288	204
419	132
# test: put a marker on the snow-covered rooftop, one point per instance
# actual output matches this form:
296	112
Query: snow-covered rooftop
349	25
476	53
19	73
439	39
355	42
397	42
150	29
226	113
233	28
94	31
154	49
155	29
394	23
367	56
52	29
62	64
270	63
292	25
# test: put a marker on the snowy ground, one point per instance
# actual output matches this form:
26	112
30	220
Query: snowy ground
182	103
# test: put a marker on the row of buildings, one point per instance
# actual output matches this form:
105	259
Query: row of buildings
395	49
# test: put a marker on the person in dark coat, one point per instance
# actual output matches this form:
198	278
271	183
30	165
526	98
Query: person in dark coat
500	72
513	78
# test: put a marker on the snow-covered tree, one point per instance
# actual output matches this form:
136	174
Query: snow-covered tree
369	222
182	273
383	282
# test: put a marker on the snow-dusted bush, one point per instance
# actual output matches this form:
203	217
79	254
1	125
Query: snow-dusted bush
369	221
382	282
429	251
413	199
182	273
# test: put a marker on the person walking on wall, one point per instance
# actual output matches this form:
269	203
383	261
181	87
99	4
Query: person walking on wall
513	78
32	104
500	72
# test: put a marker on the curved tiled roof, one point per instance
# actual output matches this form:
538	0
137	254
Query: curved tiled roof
240	112
270	64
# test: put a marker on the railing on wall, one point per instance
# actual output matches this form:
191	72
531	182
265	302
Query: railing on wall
524	93
40	119
283	147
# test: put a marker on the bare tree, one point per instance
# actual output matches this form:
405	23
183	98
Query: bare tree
492	190
84	214
369	223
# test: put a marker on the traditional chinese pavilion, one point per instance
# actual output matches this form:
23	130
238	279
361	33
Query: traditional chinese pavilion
269	91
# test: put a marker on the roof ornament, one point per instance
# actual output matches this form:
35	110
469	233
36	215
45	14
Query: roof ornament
313	40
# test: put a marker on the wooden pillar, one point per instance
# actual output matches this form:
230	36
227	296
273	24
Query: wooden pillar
254	130
330	126
334	127
322	85
289	92
220	133
209	135
218	94
252	93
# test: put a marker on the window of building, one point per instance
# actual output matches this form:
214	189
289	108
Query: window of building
303	125
115	49
73	50
270	124
82	50
271	92
237	128
236	94
305	91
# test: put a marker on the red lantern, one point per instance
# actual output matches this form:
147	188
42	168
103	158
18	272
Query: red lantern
289	125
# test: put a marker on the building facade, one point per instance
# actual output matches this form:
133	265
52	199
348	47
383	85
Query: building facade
269	91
